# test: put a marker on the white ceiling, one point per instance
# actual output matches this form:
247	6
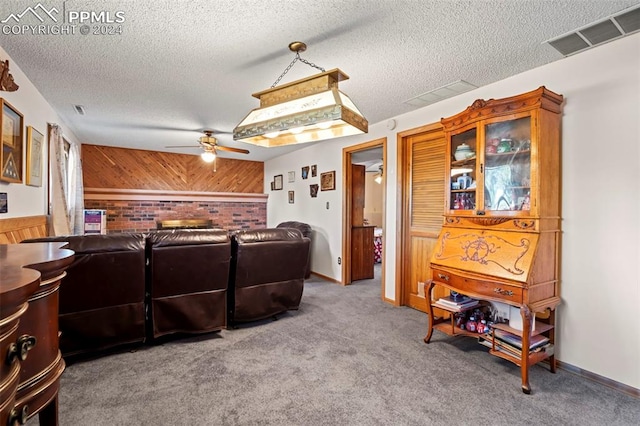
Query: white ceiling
183	66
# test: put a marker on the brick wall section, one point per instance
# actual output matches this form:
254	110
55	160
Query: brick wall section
141	216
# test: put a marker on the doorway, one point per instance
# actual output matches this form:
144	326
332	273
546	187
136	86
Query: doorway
363	225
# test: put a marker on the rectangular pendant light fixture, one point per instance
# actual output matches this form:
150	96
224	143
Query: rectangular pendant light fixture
307	110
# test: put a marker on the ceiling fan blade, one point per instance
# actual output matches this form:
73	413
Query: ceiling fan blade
226	148
182	146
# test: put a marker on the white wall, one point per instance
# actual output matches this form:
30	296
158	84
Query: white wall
600	286
373	199
24	200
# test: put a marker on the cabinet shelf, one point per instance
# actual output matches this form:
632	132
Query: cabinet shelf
458	191
534	357
466	162
508	154
451	330
541	327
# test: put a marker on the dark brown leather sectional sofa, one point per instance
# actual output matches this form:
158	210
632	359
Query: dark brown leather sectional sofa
132	288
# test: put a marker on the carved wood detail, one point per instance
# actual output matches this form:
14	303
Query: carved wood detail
6	79
488	221
480	109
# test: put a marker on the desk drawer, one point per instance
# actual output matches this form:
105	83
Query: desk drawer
492	290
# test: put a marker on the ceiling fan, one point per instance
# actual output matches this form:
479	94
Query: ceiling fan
209	146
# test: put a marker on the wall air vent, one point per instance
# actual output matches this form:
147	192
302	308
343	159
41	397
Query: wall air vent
79	109
441	93
611	28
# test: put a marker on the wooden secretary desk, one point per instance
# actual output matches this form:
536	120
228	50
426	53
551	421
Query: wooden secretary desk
501	234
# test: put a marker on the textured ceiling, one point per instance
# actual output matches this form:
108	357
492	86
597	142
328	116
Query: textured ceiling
183	66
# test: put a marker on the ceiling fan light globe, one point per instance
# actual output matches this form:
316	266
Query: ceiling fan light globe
208	157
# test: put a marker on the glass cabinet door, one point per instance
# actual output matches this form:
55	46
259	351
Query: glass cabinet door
507	171
463	171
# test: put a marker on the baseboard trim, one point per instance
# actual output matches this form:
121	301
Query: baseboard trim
629	390
324	277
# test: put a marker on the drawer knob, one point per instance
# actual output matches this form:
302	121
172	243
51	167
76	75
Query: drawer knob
503	292
443	277
20	349
18	417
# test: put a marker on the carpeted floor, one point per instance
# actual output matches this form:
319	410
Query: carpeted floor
344	358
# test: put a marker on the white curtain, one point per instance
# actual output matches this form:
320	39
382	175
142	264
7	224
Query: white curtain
67	189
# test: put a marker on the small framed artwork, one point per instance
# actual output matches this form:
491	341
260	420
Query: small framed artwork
313	190
291	197
305	172
4	207
314	170
328	181
35	145
12	124
277	182
292	177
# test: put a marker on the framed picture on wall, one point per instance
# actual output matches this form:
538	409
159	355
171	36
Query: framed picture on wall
277	182
35	145
314	170
328	181
305	172
292	177
11	124
313	190
291	197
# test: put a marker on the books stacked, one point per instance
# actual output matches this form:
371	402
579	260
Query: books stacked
457	304
512	344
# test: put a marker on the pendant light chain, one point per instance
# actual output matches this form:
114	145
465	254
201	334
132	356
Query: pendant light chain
311	64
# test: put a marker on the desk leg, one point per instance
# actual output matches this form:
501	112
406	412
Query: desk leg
552	339
48	416
427	338
526	338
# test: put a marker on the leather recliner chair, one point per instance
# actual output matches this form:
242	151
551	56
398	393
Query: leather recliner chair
188	277
305	229
102	295
267	272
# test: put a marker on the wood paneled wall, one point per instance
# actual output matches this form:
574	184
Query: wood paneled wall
110	167
17	229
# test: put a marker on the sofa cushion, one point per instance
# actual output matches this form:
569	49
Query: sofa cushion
187	278
267	272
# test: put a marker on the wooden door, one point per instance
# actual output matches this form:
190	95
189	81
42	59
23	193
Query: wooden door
361	236
423	163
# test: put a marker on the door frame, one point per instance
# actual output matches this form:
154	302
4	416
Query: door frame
347	207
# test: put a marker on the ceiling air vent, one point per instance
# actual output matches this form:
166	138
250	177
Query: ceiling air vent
629	21
599	33
441	93
79	109
611	28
